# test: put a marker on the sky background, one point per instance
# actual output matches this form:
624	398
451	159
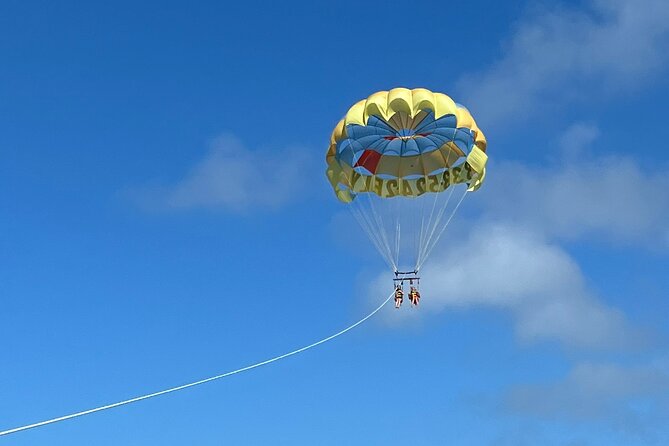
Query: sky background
138	252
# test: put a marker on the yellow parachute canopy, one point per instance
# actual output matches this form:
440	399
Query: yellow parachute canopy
407	143
406	151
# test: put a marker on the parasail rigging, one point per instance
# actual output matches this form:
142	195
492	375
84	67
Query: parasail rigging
403	161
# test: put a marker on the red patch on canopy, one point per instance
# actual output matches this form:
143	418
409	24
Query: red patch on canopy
369	160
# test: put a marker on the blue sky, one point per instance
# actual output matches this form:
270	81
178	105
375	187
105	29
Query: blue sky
135	254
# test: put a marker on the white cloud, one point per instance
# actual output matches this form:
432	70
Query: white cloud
611	198
559	56
575	141
542	287
597	391
234	178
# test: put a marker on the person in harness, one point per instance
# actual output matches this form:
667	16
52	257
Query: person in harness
414	295
399	296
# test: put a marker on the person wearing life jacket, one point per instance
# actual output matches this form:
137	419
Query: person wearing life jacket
399	296
414	295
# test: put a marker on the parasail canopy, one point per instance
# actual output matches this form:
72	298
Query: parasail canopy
406	152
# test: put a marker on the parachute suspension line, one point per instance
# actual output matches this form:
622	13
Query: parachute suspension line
364	220
381	229
419	219
197	383
443	229
425	239
440	216
373	237
384	231
432	226
397	254
414	224
366	224
419	244
398	232
414	241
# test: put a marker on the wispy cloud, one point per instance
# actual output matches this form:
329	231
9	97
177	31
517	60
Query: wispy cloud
628	396
576	140
558	56
536	281
234	178
612	197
